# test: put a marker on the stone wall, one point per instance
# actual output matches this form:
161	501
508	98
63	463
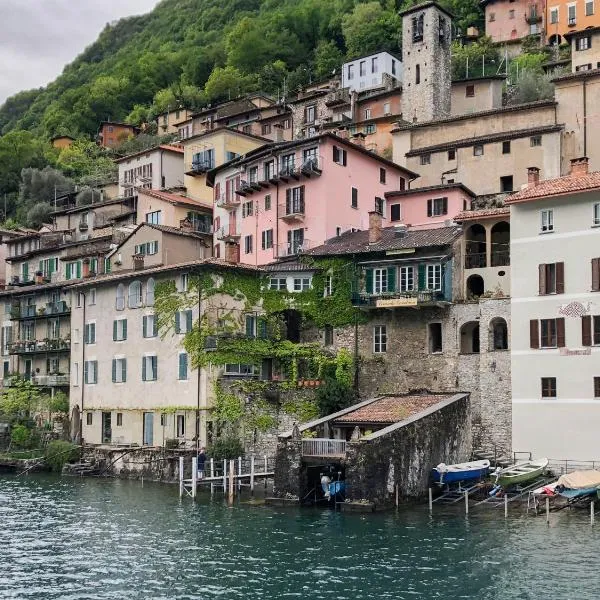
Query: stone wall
290	477
405	455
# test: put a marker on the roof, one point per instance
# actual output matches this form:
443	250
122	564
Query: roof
165	147
289	266
174	230
30	289
176	199
581	32
423	5
221	129
88	207
480	78
309	95
190	264
579	75
570	184
475	115
487	139
390	409
382	51
430	188
471	215
62	137
358	242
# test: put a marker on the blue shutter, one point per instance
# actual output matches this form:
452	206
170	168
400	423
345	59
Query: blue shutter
114	370
422	282
86	372
183	366
143	368
188	321
447	280
155	366
154	326
68	271
124	369
78	269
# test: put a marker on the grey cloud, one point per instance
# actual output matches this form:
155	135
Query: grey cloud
39	37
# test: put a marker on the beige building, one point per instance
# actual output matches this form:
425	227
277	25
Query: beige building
169	122
556	315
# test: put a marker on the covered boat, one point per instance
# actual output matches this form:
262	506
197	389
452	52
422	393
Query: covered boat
477	469
578	484
520	473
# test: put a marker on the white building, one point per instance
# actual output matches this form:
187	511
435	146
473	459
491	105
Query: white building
368	71
555	355
157	168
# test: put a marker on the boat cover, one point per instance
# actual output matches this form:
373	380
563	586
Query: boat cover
580	479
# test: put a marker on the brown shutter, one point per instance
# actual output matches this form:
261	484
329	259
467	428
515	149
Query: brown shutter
534	333
560	332
560	278
596	274
542	279
586	330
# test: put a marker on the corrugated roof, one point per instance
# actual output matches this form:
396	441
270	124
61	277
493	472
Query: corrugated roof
390	409
470	215
358	242
569	184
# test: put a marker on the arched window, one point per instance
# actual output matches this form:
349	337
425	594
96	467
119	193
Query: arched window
475	287
135	294
150	292
469	338
120	301
498	334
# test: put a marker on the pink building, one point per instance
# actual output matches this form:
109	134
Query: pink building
283	199
511	20
426	207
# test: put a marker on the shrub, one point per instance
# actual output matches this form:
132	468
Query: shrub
225	447
59	453
333	396
20	436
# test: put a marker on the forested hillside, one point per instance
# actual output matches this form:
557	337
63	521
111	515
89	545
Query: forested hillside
198	51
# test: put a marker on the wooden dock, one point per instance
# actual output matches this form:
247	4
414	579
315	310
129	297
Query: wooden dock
230	474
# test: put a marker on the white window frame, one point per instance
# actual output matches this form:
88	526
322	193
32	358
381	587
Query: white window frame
433	277
547	220
587	2
407	278
554	11
328	286
119	362
184	282
92	296
91	380
149	363
380	280
278	283
572	7
88	327
596	215
241	369
301	284
379	339
120	330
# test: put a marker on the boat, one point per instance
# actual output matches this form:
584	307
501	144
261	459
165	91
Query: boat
578	484
477	469
520	473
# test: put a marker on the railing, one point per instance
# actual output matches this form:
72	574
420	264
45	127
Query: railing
477	260
201	166
323	447
198	226
224	201
501	258
292	211
26	312
31	346
225	233
398	299
57	308
51	380
294	248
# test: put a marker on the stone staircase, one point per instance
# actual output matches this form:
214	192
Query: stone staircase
84	468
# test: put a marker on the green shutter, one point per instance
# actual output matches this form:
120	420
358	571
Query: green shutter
262	328
145	326
369	281
124	369
189	321
422	280
143	368
114	370
183	366
155	366
124	329
68	271
391	279
41	268
154	326
177	322
249	326
86	372
78	269
114	331
25	271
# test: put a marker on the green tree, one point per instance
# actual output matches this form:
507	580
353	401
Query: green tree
475	60
370	27
19	400
43	185
334	395
86	159
227	83
39	214
328	58
19	150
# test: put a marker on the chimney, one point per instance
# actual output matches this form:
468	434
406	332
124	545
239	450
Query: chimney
278	132
533	176
138	262
579	166
374	227
232	252
359	139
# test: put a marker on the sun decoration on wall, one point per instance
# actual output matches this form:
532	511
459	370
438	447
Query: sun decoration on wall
575	310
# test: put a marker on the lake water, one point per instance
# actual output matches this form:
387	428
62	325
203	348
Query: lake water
87	539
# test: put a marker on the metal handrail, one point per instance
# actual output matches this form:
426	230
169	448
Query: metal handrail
323	447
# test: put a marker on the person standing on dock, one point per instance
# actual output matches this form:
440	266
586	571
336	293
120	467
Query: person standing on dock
201	462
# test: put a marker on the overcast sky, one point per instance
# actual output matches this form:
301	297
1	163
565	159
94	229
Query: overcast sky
39	37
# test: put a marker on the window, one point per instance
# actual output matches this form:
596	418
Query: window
470	91
589	9
387	108
119	330
147	249
150	285
247	209
90	372
268	202
248	244
184	281
240	369
370	129
328	335
266	129
88	418
380	281
328	286
506	183
395	212
339	156
434	337
554	15
286	123
374	65
135	295
73	270
120	299
587	67
492	17
362	68
119	419
310	113
382	175
425	159
184	321
267	239
149	368
548	387
478	150
437	207
149	326
183	366
119	370
590	330
247	128
572	14
417	28
506	147
393	67
301	284
278	283
596	217
535	140
407	279
354	203
379	339
89	333
417	74
511	14
379	205
367	113
180	426
434	277
338	231
551	278
48	266
154	218
350	72
107	267
92	297
294	201
547	333
583	43
452	154
547	218
596	387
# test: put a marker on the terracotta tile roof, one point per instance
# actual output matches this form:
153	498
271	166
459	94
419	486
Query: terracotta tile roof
557	187
430	188
391	409
287	266
176	230
172	148
173	198
358	242
470	215
168	147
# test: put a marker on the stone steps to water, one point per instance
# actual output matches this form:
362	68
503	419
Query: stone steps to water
85	467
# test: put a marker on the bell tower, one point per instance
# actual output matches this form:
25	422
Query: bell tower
426	37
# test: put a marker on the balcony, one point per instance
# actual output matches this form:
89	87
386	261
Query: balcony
227	234
400	299
533	14
199	167
476	260
52	309
338	98
62	380
23	312
292	212
321	447
228	202
501	258
39	346
294	248
248	187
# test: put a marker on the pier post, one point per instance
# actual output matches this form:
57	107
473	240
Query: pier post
252	474
548	511
430	500
505	506
396	495
239	482
212	476
592	515
181	476
466	502
194	476
224	475
231	479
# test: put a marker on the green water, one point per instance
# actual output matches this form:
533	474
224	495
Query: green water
87	539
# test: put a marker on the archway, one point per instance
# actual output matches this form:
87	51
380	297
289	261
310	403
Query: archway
475	251
469	338
498	334
555	40
475	286
500	239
